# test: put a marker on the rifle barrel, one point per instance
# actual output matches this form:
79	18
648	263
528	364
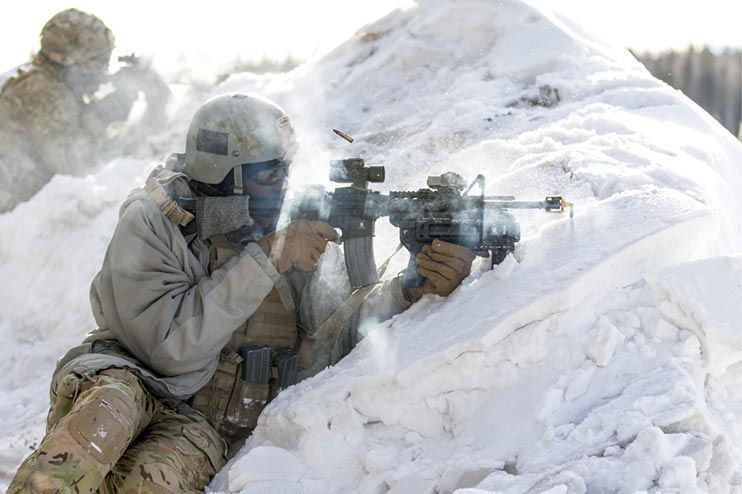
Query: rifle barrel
518	204
552	204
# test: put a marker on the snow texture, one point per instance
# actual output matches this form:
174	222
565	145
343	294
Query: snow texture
605	356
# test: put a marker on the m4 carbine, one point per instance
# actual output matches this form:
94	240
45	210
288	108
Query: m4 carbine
444	211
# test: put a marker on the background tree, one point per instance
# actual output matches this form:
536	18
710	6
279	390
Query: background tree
711	79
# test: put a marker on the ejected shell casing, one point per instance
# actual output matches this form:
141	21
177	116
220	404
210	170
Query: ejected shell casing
343	135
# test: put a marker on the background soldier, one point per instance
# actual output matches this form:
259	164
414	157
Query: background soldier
51	121
205	313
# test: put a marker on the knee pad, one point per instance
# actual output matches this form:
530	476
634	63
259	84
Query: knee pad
105	423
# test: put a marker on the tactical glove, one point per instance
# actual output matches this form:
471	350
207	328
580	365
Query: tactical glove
444	266
299	245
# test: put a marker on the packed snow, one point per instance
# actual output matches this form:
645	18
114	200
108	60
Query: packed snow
605	356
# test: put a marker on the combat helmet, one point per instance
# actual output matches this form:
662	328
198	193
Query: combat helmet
236	129
75	37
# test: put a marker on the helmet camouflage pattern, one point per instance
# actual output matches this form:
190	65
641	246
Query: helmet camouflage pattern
75	37
235	129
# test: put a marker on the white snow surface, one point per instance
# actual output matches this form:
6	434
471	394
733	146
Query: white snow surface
604	357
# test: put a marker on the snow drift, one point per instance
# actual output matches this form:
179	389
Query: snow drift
603	357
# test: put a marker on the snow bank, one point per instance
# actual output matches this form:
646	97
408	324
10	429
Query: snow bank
563	372
603	357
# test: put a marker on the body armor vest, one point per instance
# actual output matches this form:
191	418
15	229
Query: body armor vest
259	360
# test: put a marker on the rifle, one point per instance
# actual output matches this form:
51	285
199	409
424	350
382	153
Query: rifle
134	62
444	211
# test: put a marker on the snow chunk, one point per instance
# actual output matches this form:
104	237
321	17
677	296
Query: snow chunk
265	463
678	473
423	420
604	342
712	309
579	382
412	484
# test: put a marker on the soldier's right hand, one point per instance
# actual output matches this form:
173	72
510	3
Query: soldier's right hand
298	245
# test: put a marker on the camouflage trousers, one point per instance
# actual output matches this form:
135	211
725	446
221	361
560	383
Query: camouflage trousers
107	433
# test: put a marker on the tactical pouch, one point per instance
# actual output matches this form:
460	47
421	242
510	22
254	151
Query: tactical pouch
247	403
251	392
214	398
244	382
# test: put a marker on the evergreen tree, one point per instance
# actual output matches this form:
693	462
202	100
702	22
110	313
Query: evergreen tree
713	80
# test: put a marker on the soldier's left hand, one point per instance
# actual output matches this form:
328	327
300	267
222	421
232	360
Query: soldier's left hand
444	266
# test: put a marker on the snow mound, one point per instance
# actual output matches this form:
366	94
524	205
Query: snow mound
579	368
603	357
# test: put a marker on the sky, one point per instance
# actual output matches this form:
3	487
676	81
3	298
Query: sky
250	29
658	24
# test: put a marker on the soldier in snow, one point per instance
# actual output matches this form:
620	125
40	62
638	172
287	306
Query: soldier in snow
51	120
205	312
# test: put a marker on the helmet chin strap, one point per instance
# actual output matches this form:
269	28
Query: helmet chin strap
238	185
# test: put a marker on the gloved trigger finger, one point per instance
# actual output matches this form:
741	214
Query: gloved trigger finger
319	244
454	263
422	257
439	281
438	267
324	230
452	250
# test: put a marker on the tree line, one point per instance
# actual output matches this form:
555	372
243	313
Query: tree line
711	79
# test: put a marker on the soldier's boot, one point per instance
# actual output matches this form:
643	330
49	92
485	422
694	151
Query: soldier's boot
81	448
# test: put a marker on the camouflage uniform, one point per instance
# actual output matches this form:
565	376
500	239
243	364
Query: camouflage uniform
86	451
46	129
49	123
